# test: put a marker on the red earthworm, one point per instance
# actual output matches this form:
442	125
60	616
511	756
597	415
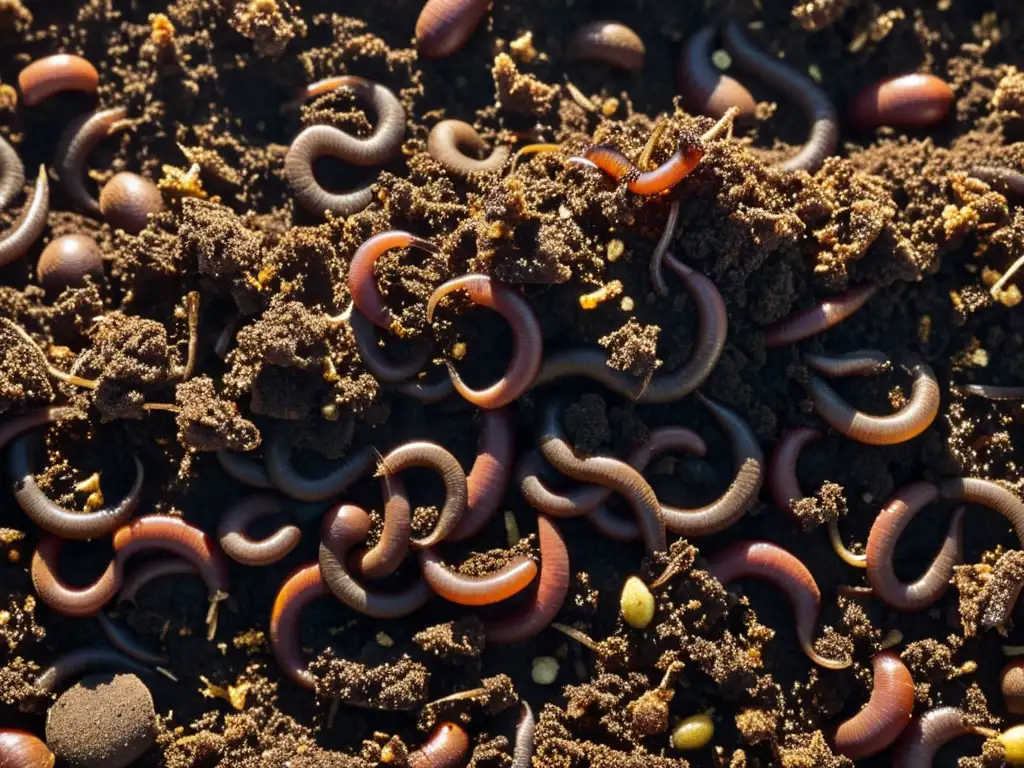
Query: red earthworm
77	141
454	587
83	661
661	179
592	363
367	338
320	140
928	733
13	426
393	545
456	146
782	479
156	568
70	601
1004	180
528	344
12	173
609	42
1011	685
804	323
278	455
30	223
444	26
237	544
244	469
488	478
362	285
914	100
976	490
705	89
656	266
50	75
55	519
345	526
886	714
420	453
446	747
608	471
552	589
866	362
906	424
302	587
128	644
824	135
522	756
770	562
897	513
990	391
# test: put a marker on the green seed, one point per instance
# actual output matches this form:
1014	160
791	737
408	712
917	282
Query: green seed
637	603
693	732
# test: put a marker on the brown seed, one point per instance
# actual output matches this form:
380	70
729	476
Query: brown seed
610	42
127	200
19	749
64	72
66	261
904	101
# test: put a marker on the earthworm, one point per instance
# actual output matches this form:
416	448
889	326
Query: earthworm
742	491
13	426
770	562
237	544
897	513
66	261
824	135
320	140
50	75
446	747
128	200
320	87
706	89
1011	685
456	145
122	639
865	362
156	568
914	100
489	475
393	545
607	471
528	344
510	579
990	391
609	42
1005	180
906	424
345	526
610	160
82	661
362	285
12	173
552	589
886	714
444	26
420	453
522	756
927	734
70	601
30	223
244	469
592	363
278	457
656	266
367	338
77	141
55	519
804	323
302	587
782	462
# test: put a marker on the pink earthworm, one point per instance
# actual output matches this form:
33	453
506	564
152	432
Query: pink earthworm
610	160
421	453
303	587
50	75
240	547
489	476
805	323
444	26
456	146
509	580
362	284
887	713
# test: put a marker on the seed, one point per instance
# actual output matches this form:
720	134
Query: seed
637	603
1012	740
545	670
693	732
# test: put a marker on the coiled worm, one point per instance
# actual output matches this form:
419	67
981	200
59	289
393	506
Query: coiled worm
284	476
705	89
889	710
362	284
457	146
421	453
240	547
302	587
77	141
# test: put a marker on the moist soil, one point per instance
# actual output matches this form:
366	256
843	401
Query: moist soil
204	86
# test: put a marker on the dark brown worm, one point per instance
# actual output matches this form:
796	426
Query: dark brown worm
55	519
444	26
50	75
302	587
78	140
552	588
392	547
522	756
607	471
705	89
488	478
990	391
824	135
880	722
610	160
446	748
805	323
509	580
897	513
656	266
1011	685
320	140
70	601
12	173
236	543
367	338
278	457
592	363
782	478
865	362
769	562
420	453
609	42
122	639
1004	180
30	224
362	285
344	527
13	426
906	424
244	469
457	145
151	570
927	734
83	661
528	343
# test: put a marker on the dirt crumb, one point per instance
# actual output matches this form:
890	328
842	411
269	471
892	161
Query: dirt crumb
810	750
633	348
586	423
396	685
209	423
453	642
828	504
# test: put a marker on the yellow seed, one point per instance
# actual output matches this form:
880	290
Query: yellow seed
545	670
1012	740
693	732
637	603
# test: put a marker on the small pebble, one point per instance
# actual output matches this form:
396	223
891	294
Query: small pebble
637	603
127	200
66	261
545	670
